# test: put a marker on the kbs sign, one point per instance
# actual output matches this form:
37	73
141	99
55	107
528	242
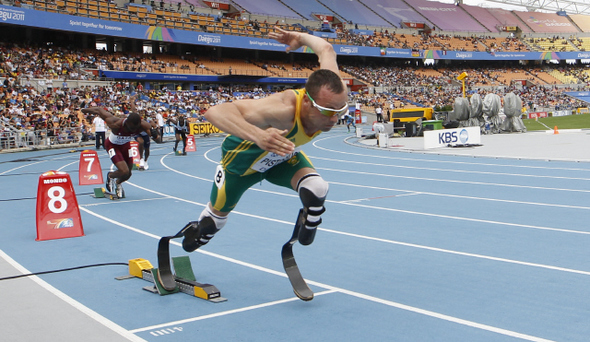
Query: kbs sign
456	136
203	128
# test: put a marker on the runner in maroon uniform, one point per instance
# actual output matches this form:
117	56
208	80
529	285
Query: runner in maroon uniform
118	144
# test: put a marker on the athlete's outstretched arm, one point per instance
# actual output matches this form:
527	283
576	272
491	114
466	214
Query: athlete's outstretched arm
104	114
264	121
321	47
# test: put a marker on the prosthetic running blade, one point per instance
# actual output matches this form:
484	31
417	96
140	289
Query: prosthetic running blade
165	275
299	285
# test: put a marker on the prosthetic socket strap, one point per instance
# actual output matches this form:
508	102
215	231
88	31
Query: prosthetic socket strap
313	208
313	205
197	234
312	192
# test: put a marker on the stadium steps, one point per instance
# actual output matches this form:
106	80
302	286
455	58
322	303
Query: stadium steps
377	14
474	18
340	17
292	9
574	24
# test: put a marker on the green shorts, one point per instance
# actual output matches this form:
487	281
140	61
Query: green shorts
229	187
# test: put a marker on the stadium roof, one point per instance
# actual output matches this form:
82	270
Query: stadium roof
571	7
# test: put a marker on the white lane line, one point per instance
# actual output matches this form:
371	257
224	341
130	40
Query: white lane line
380	197
462	196
71	301
469	172
471	162
448	251
388	209
66	165
349	292
122	201
409	244
465	218
20	167
462	181
445	317
392	189
383	208
225	313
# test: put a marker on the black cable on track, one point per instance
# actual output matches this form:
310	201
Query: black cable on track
65	269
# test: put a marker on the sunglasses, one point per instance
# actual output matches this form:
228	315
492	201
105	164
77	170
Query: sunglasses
328	111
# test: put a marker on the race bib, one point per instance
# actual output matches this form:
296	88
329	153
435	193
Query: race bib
120	139
219	176
271	159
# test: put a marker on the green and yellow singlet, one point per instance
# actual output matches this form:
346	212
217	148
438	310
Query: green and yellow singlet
244	157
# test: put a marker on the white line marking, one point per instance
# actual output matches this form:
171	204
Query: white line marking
19	167
82	308
225	313
462	196
473	255
444	317
380	197
409	244
63	167
382	156
462	181
387	209
470	172
122	201
392	189
351	293
465	218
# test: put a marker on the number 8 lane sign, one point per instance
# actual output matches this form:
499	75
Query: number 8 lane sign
58	215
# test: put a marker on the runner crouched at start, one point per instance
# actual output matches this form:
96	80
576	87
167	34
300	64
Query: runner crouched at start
118	145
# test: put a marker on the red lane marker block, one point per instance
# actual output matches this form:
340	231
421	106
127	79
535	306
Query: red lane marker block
58	215
89	171
191	146
134	152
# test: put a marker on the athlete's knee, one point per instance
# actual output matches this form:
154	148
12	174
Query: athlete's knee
312	189
125	175
199	233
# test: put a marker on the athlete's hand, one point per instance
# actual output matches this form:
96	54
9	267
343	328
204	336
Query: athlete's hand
273	140
292	39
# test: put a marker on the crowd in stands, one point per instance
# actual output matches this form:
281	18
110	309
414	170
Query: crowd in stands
55	115
381	38
53	111
432	41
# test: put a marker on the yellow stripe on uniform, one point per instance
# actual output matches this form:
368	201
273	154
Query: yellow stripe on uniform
244	145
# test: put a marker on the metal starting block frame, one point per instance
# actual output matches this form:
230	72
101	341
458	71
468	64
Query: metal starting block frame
184	278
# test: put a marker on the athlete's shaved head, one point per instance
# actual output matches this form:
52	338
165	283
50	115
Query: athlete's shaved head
134	119
133	122
321	78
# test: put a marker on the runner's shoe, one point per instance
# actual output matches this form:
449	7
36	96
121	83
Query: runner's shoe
146	166
119	191
142	164
107	185
113	185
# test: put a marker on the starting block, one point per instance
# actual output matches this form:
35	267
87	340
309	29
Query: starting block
184	278
102	193
178	153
